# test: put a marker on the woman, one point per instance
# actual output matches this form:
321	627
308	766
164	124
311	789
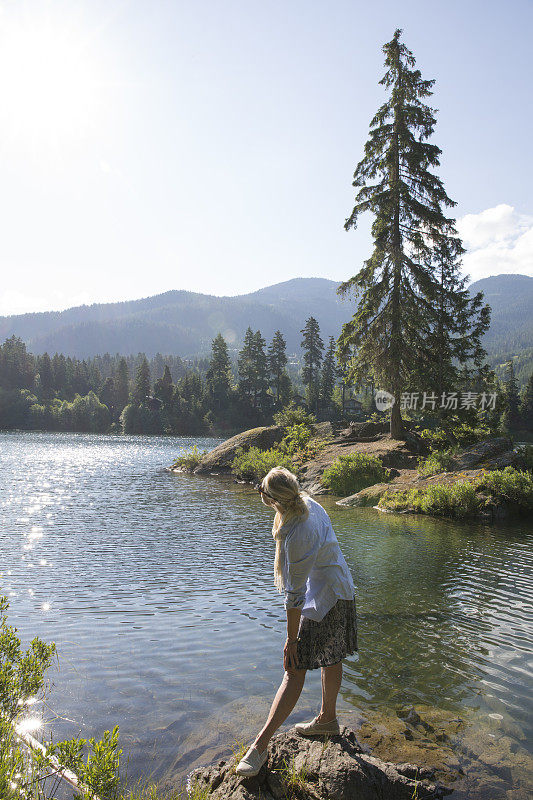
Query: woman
320	603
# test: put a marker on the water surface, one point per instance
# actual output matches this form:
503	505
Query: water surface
157	589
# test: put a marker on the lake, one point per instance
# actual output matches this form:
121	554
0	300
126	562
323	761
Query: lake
157	589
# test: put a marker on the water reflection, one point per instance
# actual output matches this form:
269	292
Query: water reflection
158	592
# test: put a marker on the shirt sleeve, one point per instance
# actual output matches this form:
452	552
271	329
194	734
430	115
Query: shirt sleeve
301	552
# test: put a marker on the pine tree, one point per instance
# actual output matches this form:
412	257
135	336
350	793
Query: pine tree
163	387
122	387
59	368
512	413
142	382
277	361
410	298
108	396
246	367
218	378
526	406
46	376
261	372
17	366
328	377
312	346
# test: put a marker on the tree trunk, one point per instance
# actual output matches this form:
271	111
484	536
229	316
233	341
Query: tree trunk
397	430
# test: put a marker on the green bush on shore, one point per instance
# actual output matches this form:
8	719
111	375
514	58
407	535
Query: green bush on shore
190	459
253	464
292	414
464	498
509	485
351	473
437	461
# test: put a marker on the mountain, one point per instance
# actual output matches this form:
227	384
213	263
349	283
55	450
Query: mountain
184	323
511	299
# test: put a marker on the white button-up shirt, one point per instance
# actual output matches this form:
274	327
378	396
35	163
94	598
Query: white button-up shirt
315	572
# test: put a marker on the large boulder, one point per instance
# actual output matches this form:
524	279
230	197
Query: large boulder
220	458
493	453
332	768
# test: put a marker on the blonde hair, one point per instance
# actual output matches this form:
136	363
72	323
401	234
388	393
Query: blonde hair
284	488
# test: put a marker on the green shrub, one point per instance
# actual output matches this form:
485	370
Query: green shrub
296	438
292	414
351	473
190	459
450	500
253	464
23	771
526	454
460	434
453	500
510	485
437	461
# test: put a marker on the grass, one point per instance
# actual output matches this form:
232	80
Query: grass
291	777
197	792
466	497
190	459
451	500
238	749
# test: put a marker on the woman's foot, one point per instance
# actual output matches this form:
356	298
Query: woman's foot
252	761
315	727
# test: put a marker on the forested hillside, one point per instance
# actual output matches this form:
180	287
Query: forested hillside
182	323
185	323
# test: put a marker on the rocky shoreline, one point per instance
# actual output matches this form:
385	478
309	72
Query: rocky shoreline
400	457
320	768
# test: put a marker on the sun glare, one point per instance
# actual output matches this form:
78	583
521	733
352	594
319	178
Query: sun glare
49	82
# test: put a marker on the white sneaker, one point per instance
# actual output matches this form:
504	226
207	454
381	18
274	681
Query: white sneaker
315	728
252	761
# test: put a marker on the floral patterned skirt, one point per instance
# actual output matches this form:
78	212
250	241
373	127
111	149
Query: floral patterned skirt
321	644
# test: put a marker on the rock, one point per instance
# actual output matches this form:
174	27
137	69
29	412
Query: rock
483	452
366	497
358	430
221	457
331	768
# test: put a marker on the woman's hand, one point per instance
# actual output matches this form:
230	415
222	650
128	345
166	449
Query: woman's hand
290	656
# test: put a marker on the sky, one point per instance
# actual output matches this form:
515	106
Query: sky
210	145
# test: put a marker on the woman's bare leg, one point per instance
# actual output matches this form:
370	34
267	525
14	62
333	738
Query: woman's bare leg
331	683
282	705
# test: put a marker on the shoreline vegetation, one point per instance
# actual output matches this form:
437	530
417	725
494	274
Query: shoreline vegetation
489	478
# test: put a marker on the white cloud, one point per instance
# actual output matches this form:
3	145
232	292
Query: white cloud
498	240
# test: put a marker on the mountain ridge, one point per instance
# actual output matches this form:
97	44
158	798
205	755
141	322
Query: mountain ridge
182	322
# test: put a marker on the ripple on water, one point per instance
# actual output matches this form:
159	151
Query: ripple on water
157	589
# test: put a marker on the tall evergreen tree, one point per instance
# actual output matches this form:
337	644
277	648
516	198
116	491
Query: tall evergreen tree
328	377
46	375
512	411
59	368
17	366
403	306
261	372
122	384
142	382
313	346
277	361
163	387
246	366
218	378
107	395
526	405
